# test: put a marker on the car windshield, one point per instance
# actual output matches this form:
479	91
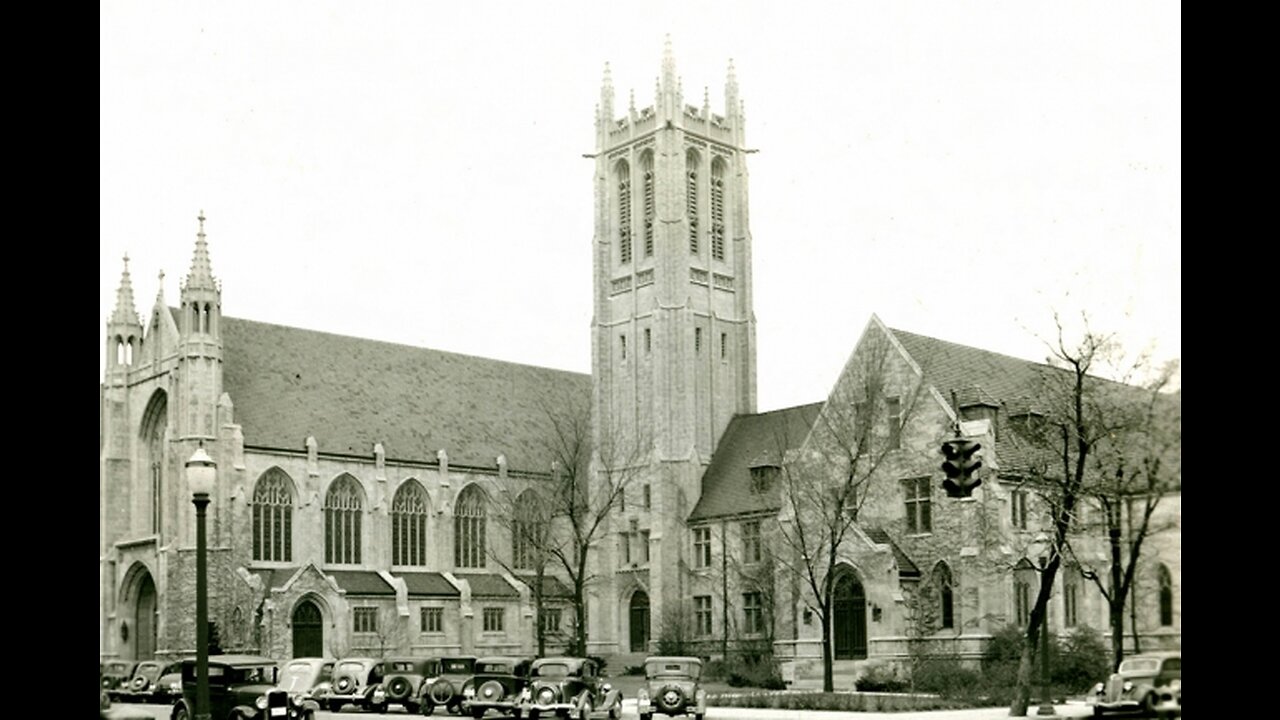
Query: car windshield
493	668
402	666
458	666
148	668
683	669
552	670
1139	665
117	668
351	668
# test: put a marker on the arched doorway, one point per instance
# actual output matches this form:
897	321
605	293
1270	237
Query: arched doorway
849	612
639	621
144	619
308	630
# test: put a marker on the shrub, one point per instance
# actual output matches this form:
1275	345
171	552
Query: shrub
600	663
762	673
634	670
945	676
715	670
881	678
1083	660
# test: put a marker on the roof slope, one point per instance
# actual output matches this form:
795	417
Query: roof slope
288	383
751	440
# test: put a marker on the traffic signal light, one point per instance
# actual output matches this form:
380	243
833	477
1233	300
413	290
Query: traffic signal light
961	465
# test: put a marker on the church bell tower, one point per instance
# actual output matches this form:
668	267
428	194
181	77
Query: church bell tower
673	331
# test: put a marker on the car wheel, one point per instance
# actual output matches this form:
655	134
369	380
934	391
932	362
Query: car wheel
584	710
428	708
1149	705
180	713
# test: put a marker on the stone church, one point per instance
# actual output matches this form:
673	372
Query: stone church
352	512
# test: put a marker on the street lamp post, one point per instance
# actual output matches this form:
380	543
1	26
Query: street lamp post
202	472
1046	704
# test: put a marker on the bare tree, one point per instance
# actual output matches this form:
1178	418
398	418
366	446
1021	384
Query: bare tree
1086	421
523	511
825	483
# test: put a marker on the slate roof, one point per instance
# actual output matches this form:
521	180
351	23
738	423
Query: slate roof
906	568
553	587
488	585
748	441
361	582
288	383
428	584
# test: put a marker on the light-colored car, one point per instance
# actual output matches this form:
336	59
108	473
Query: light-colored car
671	687
1150	683
357	681
568	687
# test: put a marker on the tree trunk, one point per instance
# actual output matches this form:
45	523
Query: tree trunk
828	661
1026	668
1116	609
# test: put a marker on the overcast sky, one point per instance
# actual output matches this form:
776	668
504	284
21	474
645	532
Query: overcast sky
413	171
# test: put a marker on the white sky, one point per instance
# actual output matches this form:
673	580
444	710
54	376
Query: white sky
413	171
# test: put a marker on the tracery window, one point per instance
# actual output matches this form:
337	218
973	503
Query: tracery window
717	209
946	596
468	528
624	212
409	513
646	165
528	531
691	199
273	517
343	510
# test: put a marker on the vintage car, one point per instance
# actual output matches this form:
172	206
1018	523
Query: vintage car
241	687
671	688
568	687
496	685
169	684
445	690
115	676
357	681
403	678
1139	684
145	685
310	677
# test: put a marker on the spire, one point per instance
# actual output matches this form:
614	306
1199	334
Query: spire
606	94
668	65
201	275
125	312
731	91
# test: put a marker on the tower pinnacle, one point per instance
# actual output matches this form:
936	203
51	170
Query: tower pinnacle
125	313
668	65
201	275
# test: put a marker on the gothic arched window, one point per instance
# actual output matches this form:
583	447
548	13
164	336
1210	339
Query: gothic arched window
409	525
691	198
272	511
528	531
154	421
1166	597
946	596
646	166
624	211
468	528
717	209
342	513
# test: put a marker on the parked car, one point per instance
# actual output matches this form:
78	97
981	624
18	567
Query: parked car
145	685
445	690
496	685
404	677
357	681
169	684
671	688
310	677
115	676
1169	699
568	687
242	687
1139	684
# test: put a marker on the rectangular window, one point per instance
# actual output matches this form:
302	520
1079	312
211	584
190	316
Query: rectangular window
1018	508
697	340
893	408
644	546
493	618
1070	596
862	426
702	547
432	620
702	615
646	498
551	621
624	541
919	512
622	500
1022	600
751	541
724	345
623	346
365	619
648	342
752	613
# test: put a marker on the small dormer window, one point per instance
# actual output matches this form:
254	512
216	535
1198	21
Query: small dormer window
763	477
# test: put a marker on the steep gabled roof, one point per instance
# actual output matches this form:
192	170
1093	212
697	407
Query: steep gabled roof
906	568
288	383
748	441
